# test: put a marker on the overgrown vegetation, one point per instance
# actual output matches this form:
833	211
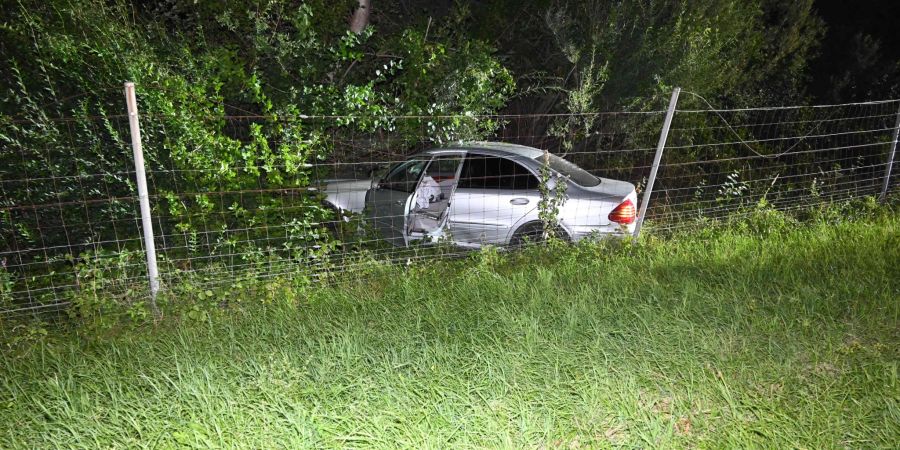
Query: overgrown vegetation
553	195
737	335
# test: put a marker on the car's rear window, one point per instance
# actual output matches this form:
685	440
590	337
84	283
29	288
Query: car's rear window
569	170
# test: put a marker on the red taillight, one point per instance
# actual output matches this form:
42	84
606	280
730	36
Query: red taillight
624	213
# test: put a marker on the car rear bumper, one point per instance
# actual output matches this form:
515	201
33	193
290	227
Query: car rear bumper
578	233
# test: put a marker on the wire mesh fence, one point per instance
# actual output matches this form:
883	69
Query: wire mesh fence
243	197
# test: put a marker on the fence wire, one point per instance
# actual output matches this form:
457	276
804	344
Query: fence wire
241	198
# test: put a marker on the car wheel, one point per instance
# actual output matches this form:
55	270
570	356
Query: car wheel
534	232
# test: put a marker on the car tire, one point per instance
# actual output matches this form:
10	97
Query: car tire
534	232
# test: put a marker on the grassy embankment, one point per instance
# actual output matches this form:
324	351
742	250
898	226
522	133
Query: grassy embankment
726	339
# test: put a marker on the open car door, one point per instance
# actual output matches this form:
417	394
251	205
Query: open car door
429	207
388	203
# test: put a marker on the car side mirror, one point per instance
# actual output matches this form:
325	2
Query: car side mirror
374	181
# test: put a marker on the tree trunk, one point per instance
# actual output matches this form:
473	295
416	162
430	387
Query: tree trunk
360	19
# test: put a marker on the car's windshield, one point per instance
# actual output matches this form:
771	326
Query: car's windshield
569	170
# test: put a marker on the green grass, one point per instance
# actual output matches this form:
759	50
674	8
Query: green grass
723	339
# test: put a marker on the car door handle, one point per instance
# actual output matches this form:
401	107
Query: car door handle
519	201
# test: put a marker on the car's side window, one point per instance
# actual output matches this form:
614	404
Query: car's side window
404	176
493	172
443	168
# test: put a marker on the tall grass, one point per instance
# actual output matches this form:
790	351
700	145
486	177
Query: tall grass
726	338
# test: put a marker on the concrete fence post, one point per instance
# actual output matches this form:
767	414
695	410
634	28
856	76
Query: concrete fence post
660	146
144	199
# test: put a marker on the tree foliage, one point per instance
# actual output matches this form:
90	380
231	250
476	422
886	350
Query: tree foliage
590	54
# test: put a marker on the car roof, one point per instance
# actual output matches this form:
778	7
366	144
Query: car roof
498	148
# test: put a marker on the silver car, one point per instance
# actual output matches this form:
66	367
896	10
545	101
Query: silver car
483	193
